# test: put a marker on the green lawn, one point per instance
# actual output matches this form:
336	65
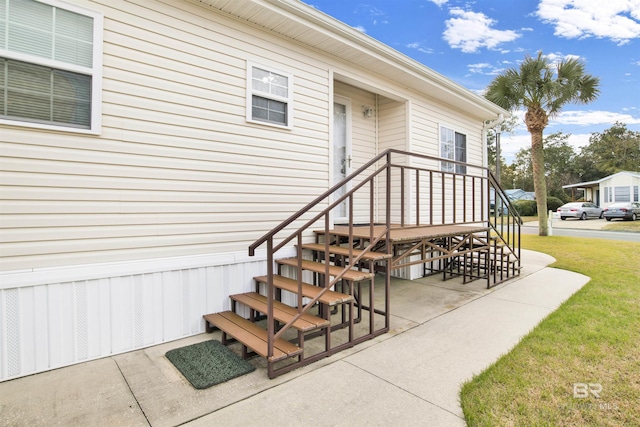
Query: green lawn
619	225
593	338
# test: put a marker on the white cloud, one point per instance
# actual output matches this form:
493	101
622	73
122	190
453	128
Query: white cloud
439	2
470	31
511	144
588	118
377	16
556	57
485	68
361	29
419	47
617	20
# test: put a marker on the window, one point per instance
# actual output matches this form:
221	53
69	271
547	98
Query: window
635	194
50	65
269	96
453	146
623	194
608	194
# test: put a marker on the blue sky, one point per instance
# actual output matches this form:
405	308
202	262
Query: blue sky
471	42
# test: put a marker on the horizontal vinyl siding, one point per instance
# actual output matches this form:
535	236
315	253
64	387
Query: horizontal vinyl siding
393	124
425	121
177	170
393	134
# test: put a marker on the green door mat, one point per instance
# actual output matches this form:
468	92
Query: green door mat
208	363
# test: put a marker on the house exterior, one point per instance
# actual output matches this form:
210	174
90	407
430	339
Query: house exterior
620	187
146	144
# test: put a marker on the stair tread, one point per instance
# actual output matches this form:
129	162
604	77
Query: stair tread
318	267
341	250
252	335
503	250
309	291
281	312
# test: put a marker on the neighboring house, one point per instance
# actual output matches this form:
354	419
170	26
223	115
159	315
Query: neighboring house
146	144
620	187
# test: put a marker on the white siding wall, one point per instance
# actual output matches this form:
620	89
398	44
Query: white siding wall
393	134
177	170
426	120
177	177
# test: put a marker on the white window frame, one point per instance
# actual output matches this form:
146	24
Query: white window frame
288	100
444	165
95	71
622	193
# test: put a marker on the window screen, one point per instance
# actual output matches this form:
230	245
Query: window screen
453	145
46	64
270	96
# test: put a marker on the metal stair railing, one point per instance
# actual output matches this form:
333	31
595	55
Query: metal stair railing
505	222
272	247
464	188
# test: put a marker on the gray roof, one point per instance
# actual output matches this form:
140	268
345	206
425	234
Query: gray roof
597	183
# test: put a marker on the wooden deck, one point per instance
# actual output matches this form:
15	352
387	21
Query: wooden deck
407	233
437	247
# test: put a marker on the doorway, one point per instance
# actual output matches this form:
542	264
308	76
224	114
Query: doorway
341	153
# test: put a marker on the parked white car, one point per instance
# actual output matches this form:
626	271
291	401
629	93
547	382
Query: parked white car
580	210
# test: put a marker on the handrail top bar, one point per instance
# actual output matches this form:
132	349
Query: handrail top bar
361	169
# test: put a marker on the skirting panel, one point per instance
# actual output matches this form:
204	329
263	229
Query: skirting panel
49	325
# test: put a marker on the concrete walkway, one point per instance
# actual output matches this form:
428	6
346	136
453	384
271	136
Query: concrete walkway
442	333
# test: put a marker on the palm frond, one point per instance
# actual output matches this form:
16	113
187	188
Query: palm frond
538	83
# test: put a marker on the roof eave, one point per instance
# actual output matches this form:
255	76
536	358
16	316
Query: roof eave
323	31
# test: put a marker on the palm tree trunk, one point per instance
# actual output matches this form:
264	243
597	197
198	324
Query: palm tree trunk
539	181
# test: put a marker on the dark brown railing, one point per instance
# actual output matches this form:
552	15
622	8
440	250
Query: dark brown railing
395	187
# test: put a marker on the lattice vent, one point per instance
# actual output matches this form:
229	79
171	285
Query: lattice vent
138	307
82	322
13	332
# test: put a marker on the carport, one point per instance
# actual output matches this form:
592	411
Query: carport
591	191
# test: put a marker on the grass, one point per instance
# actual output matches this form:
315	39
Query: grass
593	338
619	225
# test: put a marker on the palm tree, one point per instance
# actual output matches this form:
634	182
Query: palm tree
542	88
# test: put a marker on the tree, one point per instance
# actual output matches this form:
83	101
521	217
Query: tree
558	165
542	89
523	169
507	126
614	150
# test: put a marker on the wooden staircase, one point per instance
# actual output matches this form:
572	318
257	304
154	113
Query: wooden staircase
334	293
335	308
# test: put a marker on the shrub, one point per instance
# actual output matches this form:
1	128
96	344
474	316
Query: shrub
526	207
553	203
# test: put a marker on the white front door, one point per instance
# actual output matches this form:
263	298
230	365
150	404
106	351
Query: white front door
341	161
